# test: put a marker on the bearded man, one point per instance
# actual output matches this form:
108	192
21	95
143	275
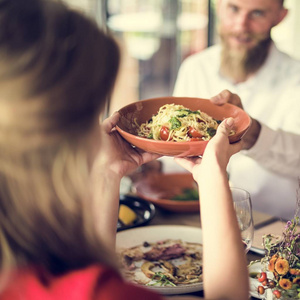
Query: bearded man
248	63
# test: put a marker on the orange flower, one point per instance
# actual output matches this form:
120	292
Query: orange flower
286	284
294	272
271	265
282	266
296	280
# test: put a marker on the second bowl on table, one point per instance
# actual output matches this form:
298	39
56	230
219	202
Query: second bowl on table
161	189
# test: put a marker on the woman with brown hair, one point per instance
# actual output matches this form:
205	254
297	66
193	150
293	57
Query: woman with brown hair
60	170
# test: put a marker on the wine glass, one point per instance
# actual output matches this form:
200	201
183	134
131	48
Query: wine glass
243	208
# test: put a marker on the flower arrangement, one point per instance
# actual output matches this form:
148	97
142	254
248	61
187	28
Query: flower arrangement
282	262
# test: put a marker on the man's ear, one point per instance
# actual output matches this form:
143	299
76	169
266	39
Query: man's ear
283	13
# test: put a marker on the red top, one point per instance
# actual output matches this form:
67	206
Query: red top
96	282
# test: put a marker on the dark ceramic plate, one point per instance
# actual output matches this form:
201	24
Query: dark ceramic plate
144	210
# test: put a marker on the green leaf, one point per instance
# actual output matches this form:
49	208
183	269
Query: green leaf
211	131
175	123
187	194
161	280
185	112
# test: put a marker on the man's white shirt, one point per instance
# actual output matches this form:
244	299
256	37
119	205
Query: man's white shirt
271	168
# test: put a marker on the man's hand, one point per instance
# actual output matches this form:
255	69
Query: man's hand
253	132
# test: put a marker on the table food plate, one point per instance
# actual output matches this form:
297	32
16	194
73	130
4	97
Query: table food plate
141	111
137	236
144	210
159	188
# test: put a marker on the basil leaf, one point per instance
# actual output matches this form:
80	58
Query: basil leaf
185	112
211	131
175	123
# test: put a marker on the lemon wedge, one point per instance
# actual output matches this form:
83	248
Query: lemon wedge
126	215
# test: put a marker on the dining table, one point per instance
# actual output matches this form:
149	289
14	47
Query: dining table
165	217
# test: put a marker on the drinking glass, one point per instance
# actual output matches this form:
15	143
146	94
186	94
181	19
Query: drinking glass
243	208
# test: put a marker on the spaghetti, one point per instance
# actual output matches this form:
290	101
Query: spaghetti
179	124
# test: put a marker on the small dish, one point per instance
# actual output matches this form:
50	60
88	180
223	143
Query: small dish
144	210
137	236
141	111
159	188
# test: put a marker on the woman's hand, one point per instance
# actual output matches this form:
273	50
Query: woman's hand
218	150
218	218
115	158
116	154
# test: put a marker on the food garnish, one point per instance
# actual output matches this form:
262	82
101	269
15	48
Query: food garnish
126	215
160	279
187	194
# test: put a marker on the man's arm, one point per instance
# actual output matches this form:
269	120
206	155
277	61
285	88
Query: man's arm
275	150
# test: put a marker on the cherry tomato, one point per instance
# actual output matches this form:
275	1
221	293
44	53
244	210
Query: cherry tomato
277	294
261	290
164	133
271	284
195	139
265	282
263	277
192	132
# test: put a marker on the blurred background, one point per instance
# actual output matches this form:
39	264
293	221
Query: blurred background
157	35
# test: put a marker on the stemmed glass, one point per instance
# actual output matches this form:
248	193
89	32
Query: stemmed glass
243	208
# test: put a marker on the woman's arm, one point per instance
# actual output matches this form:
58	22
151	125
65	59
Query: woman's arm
224	262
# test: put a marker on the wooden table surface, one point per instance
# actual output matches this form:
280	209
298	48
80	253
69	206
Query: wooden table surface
163	217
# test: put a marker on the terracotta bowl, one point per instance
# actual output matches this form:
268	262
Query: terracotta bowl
159	188
143	110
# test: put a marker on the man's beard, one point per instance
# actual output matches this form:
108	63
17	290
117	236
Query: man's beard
238	65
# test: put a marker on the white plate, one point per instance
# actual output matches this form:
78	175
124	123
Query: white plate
137	236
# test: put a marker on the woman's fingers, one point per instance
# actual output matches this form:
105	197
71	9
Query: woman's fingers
109	123
226	126
188	163
224	129
236	147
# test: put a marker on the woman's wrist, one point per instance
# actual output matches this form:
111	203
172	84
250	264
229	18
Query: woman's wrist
208	168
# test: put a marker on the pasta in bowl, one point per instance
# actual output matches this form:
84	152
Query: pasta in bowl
171	135
179	124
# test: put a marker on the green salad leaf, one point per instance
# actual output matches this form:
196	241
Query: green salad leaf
187	194
175	123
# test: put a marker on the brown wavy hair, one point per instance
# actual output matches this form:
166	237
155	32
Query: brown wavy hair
57	70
